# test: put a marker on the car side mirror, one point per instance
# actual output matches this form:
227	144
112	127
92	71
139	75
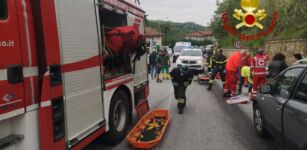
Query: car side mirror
266	89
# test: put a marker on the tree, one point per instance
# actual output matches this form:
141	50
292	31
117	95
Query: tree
165	28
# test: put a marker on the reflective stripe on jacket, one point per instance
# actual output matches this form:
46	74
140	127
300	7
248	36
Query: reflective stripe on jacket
258	65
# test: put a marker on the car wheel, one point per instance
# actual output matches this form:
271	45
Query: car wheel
259	122
119	117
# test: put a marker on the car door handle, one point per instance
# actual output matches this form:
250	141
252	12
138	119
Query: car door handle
279	107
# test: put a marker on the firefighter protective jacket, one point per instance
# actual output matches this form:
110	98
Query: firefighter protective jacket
219	61
178	78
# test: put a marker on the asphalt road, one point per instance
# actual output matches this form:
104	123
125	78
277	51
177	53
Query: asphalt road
208	123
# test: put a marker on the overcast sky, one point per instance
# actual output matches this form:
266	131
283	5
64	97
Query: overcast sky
198	11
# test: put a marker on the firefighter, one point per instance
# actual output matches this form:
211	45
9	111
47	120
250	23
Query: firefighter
258	71
218	63
233	68
209	60
181	78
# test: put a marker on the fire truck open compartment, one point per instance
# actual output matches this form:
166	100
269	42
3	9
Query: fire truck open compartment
114	64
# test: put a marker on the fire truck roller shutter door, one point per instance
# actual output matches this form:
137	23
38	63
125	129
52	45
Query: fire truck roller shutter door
81	67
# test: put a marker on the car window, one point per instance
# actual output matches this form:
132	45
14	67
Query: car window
191	53
178	48
3	9
285	85
301	93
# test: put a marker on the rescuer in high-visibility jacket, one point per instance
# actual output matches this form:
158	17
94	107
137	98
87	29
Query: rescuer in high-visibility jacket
209	60
218	62
233	68
245	73
258	71
181	78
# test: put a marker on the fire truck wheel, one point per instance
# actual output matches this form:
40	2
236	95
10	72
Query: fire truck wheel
118	118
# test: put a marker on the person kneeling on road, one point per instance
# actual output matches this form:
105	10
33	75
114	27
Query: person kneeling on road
219	62
233	68
181	78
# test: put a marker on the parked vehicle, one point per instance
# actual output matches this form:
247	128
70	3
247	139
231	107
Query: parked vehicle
209	47
281	108
170	51
178	48
193	58
59	87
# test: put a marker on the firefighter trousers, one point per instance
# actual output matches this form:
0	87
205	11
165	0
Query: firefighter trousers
216	71
257	83
231	82
180	96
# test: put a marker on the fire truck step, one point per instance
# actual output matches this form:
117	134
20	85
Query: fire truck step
10	140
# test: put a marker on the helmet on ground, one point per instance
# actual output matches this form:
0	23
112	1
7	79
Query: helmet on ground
184	70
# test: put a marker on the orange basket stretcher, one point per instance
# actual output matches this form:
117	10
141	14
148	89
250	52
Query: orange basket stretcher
203	79
150	130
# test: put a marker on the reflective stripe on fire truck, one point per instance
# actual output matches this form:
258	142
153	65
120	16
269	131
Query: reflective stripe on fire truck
46	104
32	107
27	72
12	114
119	80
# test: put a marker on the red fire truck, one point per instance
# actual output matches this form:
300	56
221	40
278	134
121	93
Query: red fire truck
59	88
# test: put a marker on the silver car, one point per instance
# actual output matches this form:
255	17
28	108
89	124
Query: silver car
281	108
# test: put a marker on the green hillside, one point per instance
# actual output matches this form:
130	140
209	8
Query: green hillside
176	31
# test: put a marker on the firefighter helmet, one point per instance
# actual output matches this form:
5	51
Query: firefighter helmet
184	70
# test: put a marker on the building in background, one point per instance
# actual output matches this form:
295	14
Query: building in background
200	36
153	37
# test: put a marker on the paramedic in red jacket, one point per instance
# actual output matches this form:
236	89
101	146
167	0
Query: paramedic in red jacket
258	71
233	68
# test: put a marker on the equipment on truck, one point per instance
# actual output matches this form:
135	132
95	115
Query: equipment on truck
123	39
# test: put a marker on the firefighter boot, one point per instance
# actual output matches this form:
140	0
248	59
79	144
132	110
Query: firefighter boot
180	111
164	76
180	105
